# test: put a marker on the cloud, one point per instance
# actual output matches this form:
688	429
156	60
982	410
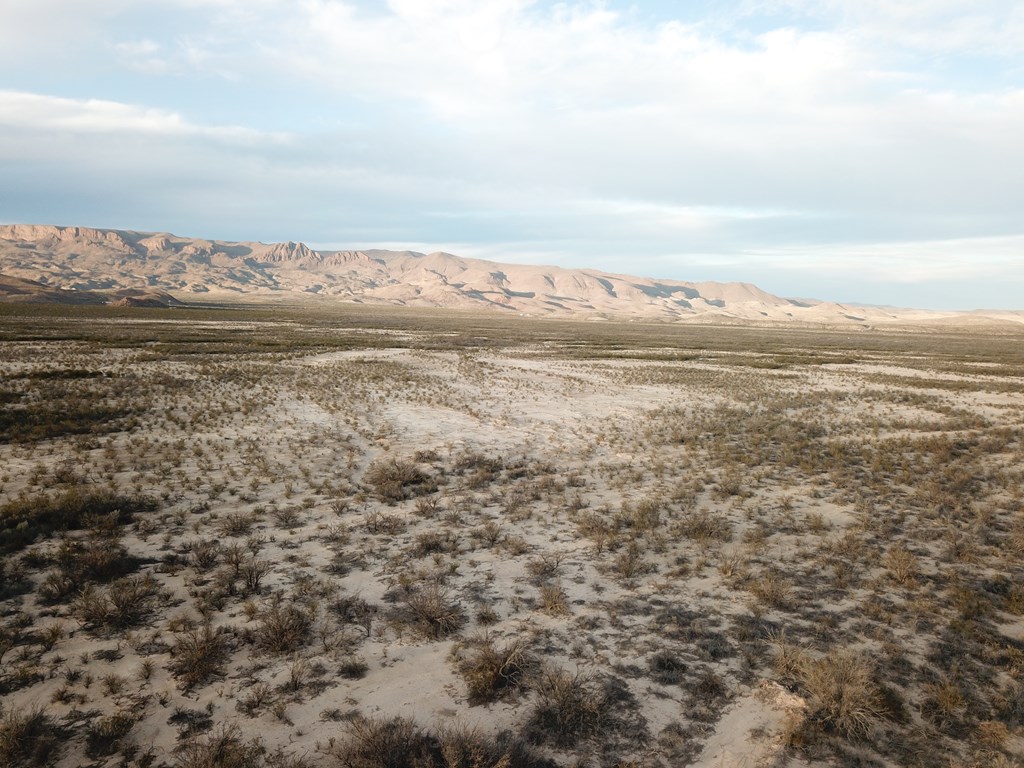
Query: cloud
39	112
820	135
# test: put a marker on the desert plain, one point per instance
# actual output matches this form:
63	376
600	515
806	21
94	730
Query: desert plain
369	537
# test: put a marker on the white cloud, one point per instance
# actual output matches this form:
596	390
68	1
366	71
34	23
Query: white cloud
579	128
43	113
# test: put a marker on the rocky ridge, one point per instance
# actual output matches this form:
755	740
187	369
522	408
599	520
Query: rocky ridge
84	260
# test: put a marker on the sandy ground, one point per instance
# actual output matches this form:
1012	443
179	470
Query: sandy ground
522	453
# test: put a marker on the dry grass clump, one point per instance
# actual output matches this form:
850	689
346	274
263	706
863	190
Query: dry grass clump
104	736
430	611
398	742
492	672
28	738
224	748
572	707
667	668
842	695
397	479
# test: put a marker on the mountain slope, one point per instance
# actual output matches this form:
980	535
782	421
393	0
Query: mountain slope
85	260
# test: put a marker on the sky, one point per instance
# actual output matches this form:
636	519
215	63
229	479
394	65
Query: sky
864	151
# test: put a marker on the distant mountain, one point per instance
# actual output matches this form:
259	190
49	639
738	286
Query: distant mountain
82	261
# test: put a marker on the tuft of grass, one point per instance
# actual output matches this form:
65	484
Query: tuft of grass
28	738
224	748
841	694
103	736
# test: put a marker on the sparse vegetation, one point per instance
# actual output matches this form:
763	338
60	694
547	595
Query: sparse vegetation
271	510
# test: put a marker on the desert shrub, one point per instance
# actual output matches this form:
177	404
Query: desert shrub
223	748
45	420
352	609
770	587
236	523
429	610
283	627
124	603
97	558
198	654
553	599
379	522
667	668
432	542
569	707
253	572
702	525
491	672
24	520
204	554
466	747
380	742
103	736
398	742
28	738
841	694
353	668
545	566
397	479
286	517
630	563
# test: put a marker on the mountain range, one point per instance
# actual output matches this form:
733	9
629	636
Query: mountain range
86	265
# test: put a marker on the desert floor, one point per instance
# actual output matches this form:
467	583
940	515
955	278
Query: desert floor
373	537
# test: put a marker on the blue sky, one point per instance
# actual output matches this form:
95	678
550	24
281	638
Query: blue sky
852	150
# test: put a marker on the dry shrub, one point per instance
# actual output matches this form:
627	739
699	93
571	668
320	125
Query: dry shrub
381	742
841	694
667	668
397	479
103	736
283	628
28	738
430	611
569	707
702	525
466	747
125	603
770	587
901	563
24	520
491	672
198	654
222	749
553	599
398	742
